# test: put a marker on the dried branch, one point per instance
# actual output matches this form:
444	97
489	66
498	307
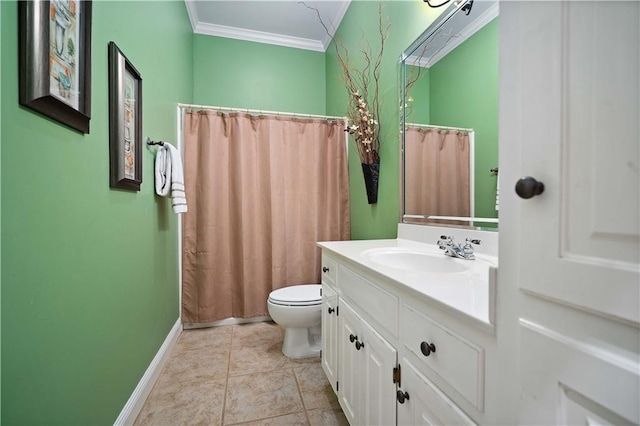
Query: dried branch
363	112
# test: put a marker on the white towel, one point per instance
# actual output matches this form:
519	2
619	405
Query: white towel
169	177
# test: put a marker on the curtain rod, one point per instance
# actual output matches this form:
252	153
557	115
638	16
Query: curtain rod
429	126
258	111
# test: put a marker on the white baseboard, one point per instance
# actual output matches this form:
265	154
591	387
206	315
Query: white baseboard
133	406
227	321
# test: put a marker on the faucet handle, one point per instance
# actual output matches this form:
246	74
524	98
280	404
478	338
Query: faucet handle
445	241
473	241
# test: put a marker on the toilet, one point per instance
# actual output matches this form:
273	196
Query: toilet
297	309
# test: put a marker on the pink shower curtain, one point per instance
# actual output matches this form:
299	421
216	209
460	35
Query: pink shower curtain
437	172
262	190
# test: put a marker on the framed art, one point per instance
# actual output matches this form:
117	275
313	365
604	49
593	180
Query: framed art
55	60
125	122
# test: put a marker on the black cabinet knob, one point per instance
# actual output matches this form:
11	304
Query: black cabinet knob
427	348
402	396
353	338
527	187
325	269
331	310
359	345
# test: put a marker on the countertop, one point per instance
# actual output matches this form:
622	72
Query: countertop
471	292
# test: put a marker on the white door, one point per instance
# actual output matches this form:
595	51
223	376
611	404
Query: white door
349	363
330	335
379	360
569	281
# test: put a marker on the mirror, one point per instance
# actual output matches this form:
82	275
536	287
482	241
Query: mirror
449	115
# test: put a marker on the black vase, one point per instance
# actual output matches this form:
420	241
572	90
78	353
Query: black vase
371	173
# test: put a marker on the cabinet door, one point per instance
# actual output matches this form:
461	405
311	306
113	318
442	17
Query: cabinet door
379	393
330	335
349	363
426	404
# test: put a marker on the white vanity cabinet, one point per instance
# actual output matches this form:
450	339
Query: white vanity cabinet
394	358
365	365
330	335
357	360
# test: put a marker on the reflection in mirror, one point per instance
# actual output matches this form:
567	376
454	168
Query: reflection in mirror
450	119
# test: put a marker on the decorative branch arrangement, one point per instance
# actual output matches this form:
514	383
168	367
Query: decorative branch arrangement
363	110
363	87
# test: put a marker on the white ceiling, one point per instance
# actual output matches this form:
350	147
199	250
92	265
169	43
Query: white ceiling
284	23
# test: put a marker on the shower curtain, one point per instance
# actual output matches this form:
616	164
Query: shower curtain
437	172
262	190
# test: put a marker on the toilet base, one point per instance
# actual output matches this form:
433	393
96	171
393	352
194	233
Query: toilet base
301	342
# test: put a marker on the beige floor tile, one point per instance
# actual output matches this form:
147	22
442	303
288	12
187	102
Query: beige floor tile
267	388
289	419
261	395
250	359
204	337
315	388
260	334
327	417
310	360
206	363
196	403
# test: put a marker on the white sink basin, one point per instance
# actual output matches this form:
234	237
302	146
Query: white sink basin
417	260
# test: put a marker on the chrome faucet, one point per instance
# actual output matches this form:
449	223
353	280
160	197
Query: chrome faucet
457	250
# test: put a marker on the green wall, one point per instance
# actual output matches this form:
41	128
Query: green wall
408	20
242	74
0	224
89	274
464	93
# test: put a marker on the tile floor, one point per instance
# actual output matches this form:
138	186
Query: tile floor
238	375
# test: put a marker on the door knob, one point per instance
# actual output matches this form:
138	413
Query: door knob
353	338
527	187
331	310
427	348
401	396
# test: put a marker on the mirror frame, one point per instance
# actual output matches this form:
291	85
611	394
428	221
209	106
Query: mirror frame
432	30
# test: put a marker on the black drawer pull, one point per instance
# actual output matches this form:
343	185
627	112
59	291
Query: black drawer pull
359	345
325	269
331	310
353	338
427	348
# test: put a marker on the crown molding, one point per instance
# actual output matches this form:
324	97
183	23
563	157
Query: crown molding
192	11
203	28
258	36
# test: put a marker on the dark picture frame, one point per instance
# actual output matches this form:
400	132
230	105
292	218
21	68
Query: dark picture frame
55	60
125	122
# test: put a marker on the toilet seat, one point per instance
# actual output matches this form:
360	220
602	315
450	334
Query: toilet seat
297	295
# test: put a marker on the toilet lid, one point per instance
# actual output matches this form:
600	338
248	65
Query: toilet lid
297	295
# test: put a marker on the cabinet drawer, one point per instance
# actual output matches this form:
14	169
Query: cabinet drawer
329	269
381	305
456	360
